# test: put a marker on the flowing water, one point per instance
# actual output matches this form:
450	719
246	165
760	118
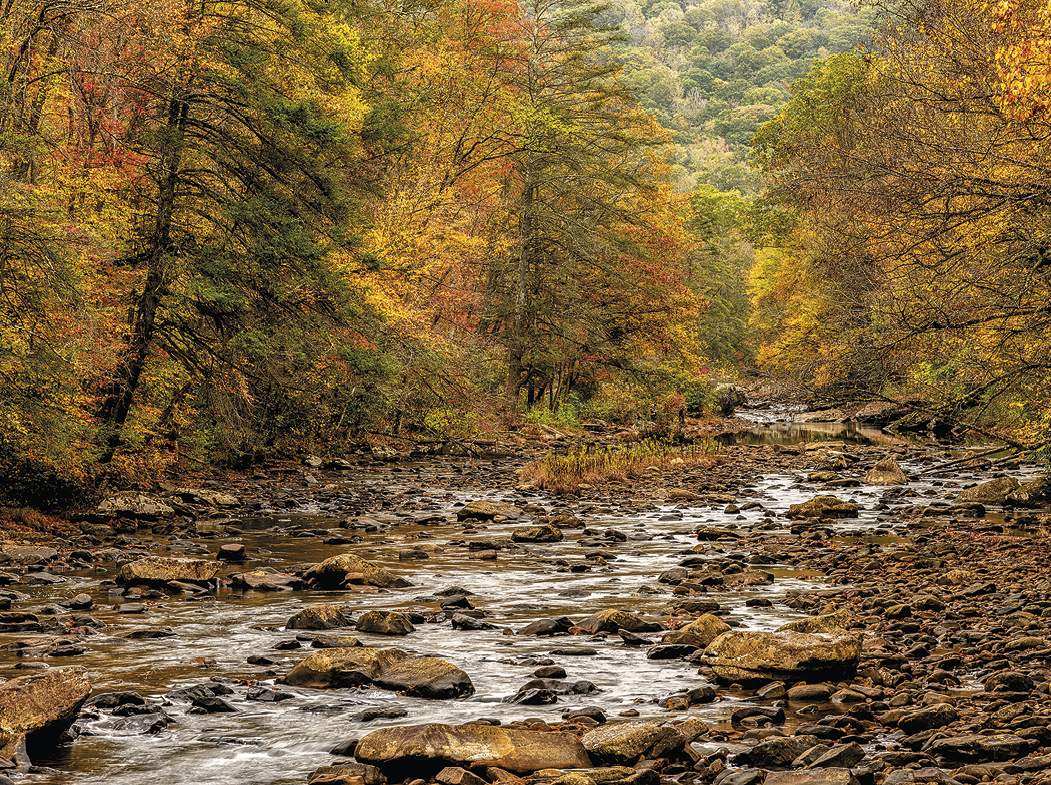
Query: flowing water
213	635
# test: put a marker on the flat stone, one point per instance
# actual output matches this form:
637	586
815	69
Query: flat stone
623	743
747	655
162	569
390	669
487	510
419	749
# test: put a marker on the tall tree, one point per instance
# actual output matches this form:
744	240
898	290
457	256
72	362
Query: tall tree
248	133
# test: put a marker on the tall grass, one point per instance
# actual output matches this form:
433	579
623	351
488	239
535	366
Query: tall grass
591	466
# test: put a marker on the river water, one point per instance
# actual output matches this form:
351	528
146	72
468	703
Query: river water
213	635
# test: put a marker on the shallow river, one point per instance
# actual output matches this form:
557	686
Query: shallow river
274	744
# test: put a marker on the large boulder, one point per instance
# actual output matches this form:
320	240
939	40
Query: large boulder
625	743
321	617
39	707
485	510
162	569
749	655
135	505
837	621
347	570
421	750
612	619
385	623
824	507
886	472
389	669
993	491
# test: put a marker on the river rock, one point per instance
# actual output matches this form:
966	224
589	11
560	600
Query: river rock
625	743
993	491
232	551
749	655
831	776
39	706
545	533
389	669
162	569
142	506
824	507
977	748
266	579
886	472
937	716
206	497
705	628
1036	493
424	749
345	773
486	510
321	617
612	619
837	621
780	751
385	623
347	569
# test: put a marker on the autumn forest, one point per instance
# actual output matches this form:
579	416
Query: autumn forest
234	227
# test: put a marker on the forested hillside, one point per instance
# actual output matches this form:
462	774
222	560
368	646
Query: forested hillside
238	227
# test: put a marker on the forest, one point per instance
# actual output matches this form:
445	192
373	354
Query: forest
233	228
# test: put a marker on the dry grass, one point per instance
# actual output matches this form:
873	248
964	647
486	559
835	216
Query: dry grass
586	466
29	524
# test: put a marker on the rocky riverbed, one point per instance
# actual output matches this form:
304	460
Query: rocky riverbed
824	612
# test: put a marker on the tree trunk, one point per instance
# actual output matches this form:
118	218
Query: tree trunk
120	391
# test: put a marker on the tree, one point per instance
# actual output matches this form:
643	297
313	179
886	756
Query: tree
247	130
919	175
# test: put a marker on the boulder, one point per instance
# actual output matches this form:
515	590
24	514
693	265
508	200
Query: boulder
385	623
625	743
612	619
837	621
39	707
389	669
705	629
937	716
993	491
748	655
1035	493
486	510
780	751
347	569
824	507
162	569
886	472
142	506
266	579
545	533
206	497
421	750
321	617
